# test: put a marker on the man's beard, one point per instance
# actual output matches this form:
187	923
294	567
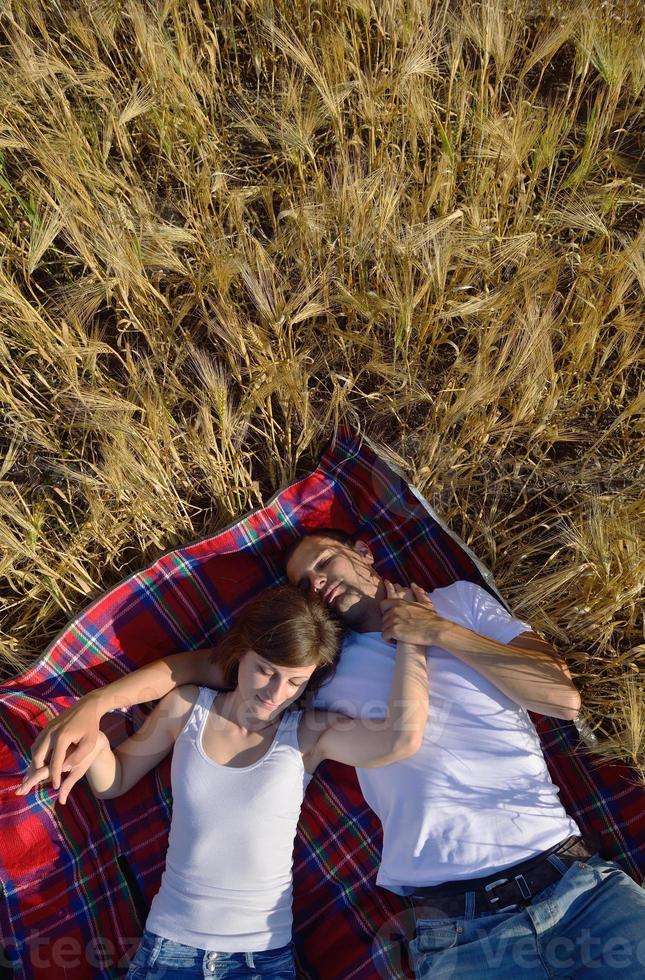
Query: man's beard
356	611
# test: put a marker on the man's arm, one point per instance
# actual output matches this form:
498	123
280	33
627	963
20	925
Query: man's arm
72	735
528	670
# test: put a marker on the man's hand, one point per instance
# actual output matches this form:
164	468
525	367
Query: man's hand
40	774
408	615
64	743
394	591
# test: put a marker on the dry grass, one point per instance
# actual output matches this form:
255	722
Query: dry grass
226	226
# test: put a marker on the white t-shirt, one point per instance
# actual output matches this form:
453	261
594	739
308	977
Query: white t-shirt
477	796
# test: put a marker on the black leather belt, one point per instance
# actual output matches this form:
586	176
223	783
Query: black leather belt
511	888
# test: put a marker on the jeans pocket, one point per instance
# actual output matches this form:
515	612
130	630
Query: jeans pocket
602	869
141	961
136	972
435	935
178	955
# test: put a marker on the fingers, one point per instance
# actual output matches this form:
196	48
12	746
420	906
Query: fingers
40	748
42	774
29	774
31	779
386	622
86	745
396	593
58	759
393	592
390	596
389	625
420	595
70	781
26	776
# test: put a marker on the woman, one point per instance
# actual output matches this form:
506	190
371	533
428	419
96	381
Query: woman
241	763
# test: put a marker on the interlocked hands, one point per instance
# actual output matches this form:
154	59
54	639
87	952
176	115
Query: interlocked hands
41	774
68	744
409	616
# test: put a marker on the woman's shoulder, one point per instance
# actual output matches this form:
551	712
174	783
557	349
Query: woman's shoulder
181	697
177	704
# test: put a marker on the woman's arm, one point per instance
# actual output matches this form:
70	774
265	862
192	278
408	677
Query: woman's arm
111	772
368	743
72	735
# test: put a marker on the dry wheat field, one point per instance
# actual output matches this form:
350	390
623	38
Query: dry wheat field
226	226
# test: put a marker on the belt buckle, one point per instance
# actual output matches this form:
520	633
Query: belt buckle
494	884
522	885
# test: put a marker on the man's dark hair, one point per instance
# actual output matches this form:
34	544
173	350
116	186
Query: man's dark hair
320	532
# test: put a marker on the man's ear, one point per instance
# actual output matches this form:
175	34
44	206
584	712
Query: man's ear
364	551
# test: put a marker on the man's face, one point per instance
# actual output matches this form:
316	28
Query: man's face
343	575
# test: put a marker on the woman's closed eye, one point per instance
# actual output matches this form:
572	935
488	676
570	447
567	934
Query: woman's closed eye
268	673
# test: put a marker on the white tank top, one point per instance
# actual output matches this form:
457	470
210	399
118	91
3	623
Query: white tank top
227	884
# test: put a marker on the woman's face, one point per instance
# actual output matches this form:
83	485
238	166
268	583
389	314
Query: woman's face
266	688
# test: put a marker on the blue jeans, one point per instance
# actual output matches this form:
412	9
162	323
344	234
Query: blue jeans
590	923
164	959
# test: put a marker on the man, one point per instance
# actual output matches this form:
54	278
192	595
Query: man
473	830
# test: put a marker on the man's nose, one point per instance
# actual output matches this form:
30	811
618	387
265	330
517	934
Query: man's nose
317	582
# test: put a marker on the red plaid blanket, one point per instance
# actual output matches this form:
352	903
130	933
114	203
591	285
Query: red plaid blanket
76	881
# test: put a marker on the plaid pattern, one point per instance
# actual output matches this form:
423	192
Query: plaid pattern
77	880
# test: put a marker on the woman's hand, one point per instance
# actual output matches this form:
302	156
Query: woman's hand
66	741
40	774
409	616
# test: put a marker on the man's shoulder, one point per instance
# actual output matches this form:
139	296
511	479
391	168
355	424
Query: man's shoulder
464	594
460	587
456	597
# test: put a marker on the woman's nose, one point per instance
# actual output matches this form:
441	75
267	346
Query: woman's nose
275	692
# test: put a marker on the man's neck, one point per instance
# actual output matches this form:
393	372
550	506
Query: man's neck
370	620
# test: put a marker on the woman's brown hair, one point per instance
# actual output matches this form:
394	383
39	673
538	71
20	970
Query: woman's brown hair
287	627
